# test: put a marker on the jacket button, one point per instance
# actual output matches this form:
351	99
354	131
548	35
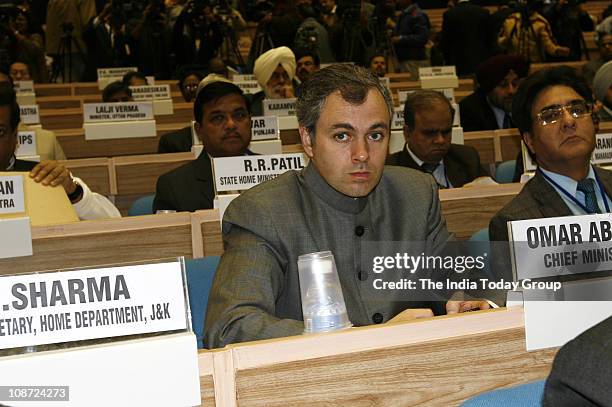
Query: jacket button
377	318
359	230
362	276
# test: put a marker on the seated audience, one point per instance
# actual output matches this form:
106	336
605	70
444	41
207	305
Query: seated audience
134	78
87	204
490	106
181	140
307	63
428	124
602	88
20	72
604	45
274	71
217	66
344	197
116	92
223	124
553	112
378	65
188	83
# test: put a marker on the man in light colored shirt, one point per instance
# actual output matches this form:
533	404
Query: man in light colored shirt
428	124
553	111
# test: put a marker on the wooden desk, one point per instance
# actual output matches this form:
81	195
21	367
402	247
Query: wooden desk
105	242
467	210
439	361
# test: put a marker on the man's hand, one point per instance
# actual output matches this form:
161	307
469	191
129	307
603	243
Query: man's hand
53	173
454	307
411	314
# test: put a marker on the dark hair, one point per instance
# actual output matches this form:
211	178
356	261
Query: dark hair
133	74
114	88
184	74
8	98
213	92
5	71
374	55
353	82
421	100
301	53
531	87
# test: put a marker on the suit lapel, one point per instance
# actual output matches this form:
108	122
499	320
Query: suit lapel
453	170
606	180
406	160
203	174
551	204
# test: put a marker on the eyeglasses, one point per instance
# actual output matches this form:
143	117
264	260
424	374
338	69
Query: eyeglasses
577	108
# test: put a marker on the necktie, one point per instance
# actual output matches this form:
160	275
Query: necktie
429	167
508	122
587	186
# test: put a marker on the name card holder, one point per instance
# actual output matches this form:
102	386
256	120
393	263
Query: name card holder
266	147
440	77
108	75
159	95
248	87
121	301
457	135
287	122
30	114
397	122
26	99
279	107
16	237
397	141
104	121
265	128
222	201
27	145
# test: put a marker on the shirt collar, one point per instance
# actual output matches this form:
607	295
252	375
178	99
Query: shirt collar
567	183
417	159
324	191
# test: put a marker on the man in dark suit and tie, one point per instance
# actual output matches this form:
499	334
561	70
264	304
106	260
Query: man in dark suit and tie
428	123
490	106
553	111
223	124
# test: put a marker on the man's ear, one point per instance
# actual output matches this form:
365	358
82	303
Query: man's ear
306	141
406	133
528	139
198	130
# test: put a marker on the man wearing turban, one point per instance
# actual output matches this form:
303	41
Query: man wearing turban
602	88
274	71
489	107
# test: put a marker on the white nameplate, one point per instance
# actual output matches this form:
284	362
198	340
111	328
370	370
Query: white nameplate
396	141
279	107
438	77
11	194
115	72
437	71
266	147
16	237
448	92
288	122
397	123
112	112
264	128
26	144
457	135
248	87
86	304
118	130
24	86
603	149
151	92
244	172
243	78
552	247
29	114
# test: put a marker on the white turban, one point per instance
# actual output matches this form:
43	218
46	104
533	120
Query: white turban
602	81
210	78
268	61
